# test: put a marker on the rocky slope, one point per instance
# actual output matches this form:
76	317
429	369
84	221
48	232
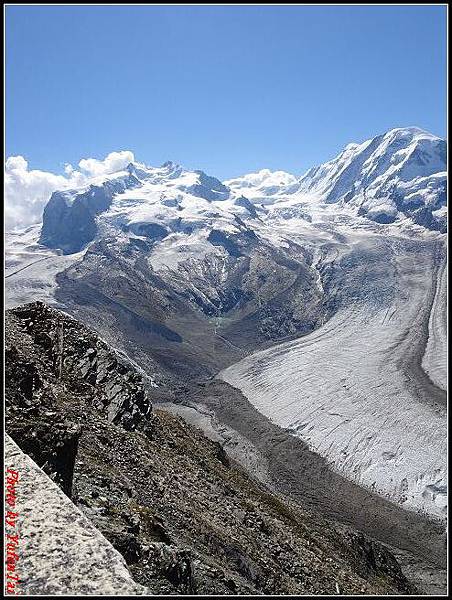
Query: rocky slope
183	515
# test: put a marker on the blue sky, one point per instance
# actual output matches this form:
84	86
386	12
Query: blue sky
229	89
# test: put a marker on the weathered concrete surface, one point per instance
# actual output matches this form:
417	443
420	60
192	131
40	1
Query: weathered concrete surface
60	552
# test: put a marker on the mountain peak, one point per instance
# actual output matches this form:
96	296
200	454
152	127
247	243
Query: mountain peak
391	176
410	132
171	166
410	129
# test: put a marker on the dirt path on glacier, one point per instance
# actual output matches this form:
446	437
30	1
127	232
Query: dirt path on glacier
418	381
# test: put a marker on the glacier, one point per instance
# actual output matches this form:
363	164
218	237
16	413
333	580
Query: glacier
352	389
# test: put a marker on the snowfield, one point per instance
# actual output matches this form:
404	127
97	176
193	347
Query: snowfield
30	268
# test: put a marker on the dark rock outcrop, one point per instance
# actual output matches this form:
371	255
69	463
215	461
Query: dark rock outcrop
69	219
245	203
76	354
65	351
209	188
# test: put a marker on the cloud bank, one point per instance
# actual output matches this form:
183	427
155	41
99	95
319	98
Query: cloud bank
27	191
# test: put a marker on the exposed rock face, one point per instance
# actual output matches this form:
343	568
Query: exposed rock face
209	188
72	351
183	515
60	551
69	217
100	378
371	556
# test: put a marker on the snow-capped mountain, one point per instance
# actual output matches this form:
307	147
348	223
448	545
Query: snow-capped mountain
147	201
388	179
189	275
401	173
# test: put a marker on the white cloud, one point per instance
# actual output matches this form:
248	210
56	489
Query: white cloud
115	161
27	191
